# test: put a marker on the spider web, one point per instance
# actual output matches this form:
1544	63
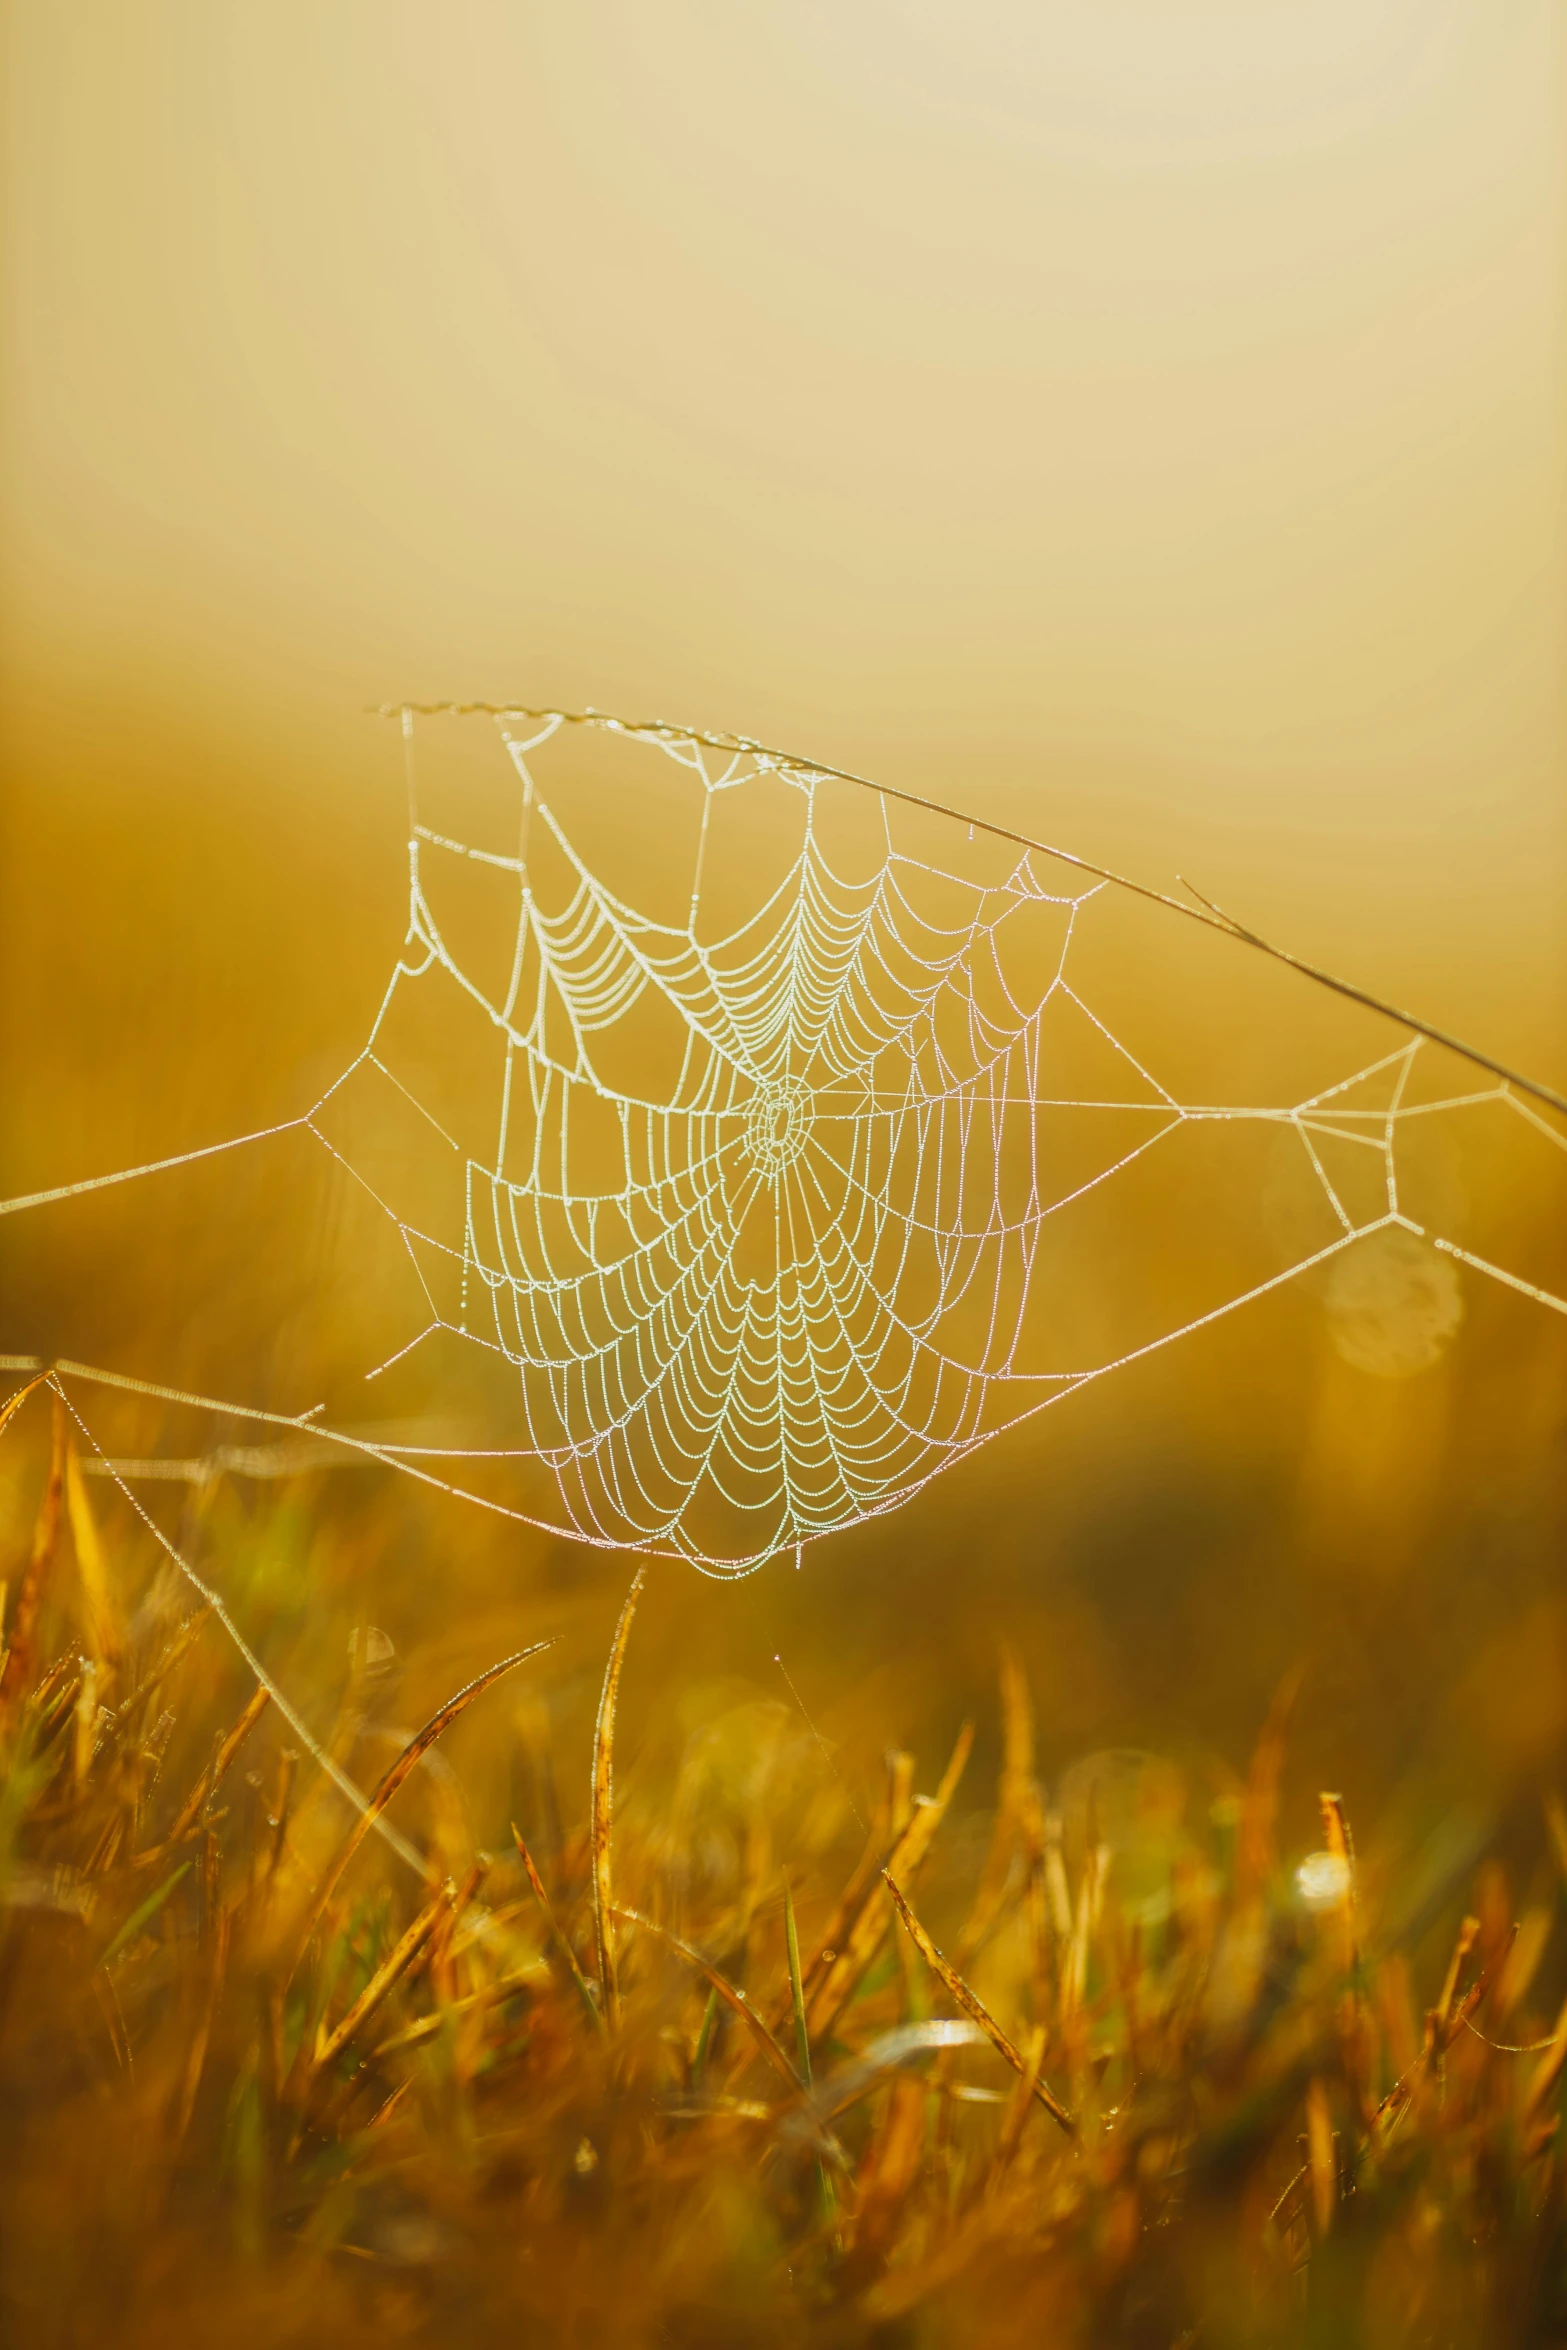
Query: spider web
742	1131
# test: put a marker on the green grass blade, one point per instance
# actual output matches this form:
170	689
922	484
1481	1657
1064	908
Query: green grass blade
143	1916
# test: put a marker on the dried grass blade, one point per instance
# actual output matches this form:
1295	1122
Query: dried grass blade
1468	1936
396	1964
222	1762
1260	1802
1548	2070
891	1817
908	1853
1085	1920
488	1995
562	1947
143	1915
1446	2020
890	2052
46	1535
1321	2156
1013	2121
166	1663
1461	2010
417	1746
704	2039
105	1632
729	1993
887	2174
802	2037
84	1742
958	1991
1337	1840
603	1807
1017	1779
1534	1933
14	1403
855	1893
196	2058
278	1815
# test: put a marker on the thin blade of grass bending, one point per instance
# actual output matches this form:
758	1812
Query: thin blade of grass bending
704	2040
99	1606
802	2037
1444	2022
1017	1778
14	1403
1260	1802
496	1994
222	1762
885	1825
603	1807
958	1991
889	2052
1468	1936
838	1985
171	1656
728	1992
802	2041
417	1746
143	1915
395	1965
280	1804
46	1534
1547	2071
887	2174
1024	2091
562	1947
196	2055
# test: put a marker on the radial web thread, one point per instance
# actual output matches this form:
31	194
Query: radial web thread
749	1193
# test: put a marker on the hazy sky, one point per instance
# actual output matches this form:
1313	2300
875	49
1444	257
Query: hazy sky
1142	421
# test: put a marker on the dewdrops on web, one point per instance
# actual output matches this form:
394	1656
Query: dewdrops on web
738	1209
802	1266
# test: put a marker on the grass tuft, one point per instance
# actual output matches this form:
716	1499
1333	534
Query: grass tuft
259	2074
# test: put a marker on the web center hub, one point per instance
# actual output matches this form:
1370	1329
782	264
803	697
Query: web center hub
777	1123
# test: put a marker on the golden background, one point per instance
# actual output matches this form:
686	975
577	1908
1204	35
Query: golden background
1142	425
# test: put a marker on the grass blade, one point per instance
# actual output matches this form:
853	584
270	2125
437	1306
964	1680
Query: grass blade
395	1965
14	1403
960	1994
704	2040
732	1997
802	2037
557	1936
417	1746
210	1781
856	1892
1019	2107
105	1632
1017	1781
171	1656
142	1916
838	1985
46	1534
196	2054
603	1807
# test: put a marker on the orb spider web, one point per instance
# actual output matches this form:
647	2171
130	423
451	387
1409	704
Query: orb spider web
736	1120
797	1285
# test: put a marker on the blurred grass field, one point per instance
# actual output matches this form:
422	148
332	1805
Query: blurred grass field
261	2073
1152	1626
1141	428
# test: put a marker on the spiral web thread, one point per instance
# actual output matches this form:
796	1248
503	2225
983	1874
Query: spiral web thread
800	1280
